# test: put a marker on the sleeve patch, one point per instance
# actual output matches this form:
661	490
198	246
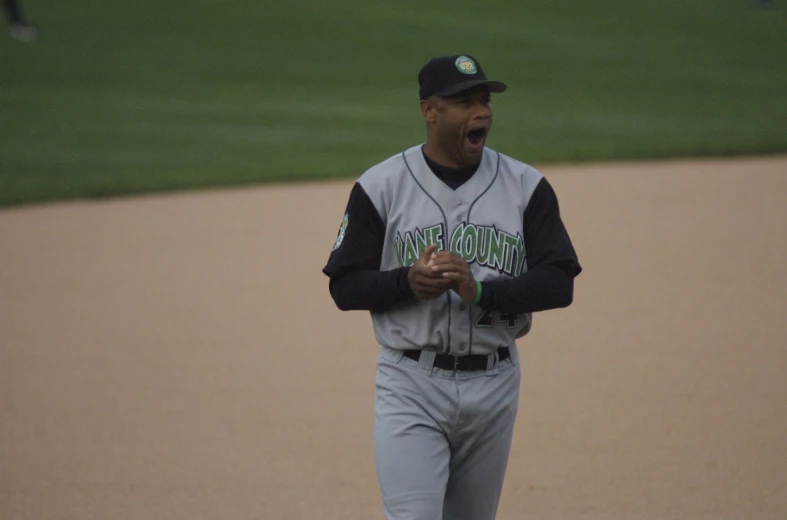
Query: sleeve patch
342	231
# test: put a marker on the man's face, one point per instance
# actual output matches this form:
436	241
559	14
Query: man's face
460	124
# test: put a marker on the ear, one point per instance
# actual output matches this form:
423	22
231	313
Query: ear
428	110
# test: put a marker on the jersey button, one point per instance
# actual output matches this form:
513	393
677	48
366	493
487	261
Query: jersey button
462	347
462	307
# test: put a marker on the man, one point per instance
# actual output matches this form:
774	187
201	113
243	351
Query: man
18	28
451	246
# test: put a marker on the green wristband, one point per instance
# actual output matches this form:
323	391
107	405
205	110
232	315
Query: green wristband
477	292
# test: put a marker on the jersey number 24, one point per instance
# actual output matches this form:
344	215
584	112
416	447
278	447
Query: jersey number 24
487	319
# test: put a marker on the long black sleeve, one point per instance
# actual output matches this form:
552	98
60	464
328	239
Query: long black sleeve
371	290
356	282
545	287
551	261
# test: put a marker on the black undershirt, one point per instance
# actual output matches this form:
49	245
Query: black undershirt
452	177
356	282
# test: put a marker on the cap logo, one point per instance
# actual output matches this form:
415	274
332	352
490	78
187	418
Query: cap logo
465	65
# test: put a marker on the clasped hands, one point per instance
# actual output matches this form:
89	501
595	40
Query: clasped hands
437	271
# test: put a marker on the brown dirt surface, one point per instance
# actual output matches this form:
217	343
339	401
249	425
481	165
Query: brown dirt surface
179	357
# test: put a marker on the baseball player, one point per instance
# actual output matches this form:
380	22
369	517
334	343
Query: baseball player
18	28
452	247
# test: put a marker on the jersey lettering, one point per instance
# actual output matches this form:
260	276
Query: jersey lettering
490	247
410	247
485	245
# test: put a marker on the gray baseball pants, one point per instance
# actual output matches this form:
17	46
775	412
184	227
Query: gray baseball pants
442	438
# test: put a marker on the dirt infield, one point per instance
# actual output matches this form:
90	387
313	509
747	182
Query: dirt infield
179	357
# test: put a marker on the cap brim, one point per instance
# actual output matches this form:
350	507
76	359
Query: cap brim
494	86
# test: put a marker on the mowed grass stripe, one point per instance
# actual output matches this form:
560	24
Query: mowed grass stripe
126	98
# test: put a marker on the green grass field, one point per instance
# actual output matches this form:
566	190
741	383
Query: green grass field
124	97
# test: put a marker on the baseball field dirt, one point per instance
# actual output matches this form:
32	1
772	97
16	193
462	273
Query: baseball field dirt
179	357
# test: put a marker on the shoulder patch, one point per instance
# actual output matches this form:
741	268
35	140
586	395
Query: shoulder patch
342	231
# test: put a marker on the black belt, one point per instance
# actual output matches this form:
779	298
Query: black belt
460	363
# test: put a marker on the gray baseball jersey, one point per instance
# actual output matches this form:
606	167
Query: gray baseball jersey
481	221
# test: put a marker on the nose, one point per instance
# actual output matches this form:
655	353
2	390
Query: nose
482	109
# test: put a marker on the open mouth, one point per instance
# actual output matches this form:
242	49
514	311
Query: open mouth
476	137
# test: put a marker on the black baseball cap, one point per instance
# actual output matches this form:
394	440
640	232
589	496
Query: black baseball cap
448	75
